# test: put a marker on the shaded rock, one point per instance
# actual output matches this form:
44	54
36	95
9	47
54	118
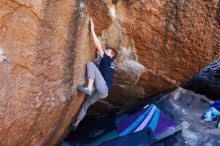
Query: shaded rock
207	81
187	110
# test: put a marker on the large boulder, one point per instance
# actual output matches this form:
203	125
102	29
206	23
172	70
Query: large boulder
44	46
187	107
175	38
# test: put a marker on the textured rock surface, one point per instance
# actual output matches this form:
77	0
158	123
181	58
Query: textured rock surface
187	107
178	38
44	45
207	82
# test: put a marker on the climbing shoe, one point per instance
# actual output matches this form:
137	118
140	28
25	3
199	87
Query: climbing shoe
85	90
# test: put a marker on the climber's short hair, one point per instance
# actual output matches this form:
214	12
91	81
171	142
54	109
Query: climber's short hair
114	52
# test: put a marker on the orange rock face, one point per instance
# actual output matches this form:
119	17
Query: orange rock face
44	46
161	44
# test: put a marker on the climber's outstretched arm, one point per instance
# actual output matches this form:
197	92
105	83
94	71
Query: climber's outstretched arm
95	39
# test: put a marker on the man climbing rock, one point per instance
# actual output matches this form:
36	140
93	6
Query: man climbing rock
100	77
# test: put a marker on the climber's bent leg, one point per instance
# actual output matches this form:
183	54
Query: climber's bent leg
89	101
94	74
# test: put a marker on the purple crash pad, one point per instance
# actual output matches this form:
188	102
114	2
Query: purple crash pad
161	125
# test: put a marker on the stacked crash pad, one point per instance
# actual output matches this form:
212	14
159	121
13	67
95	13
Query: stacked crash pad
144	127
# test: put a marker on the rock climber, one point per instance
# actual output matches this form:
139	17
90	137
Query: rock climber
100	77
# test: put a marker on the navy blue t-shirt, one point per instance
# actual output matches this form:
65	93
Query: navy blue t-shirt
107	68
